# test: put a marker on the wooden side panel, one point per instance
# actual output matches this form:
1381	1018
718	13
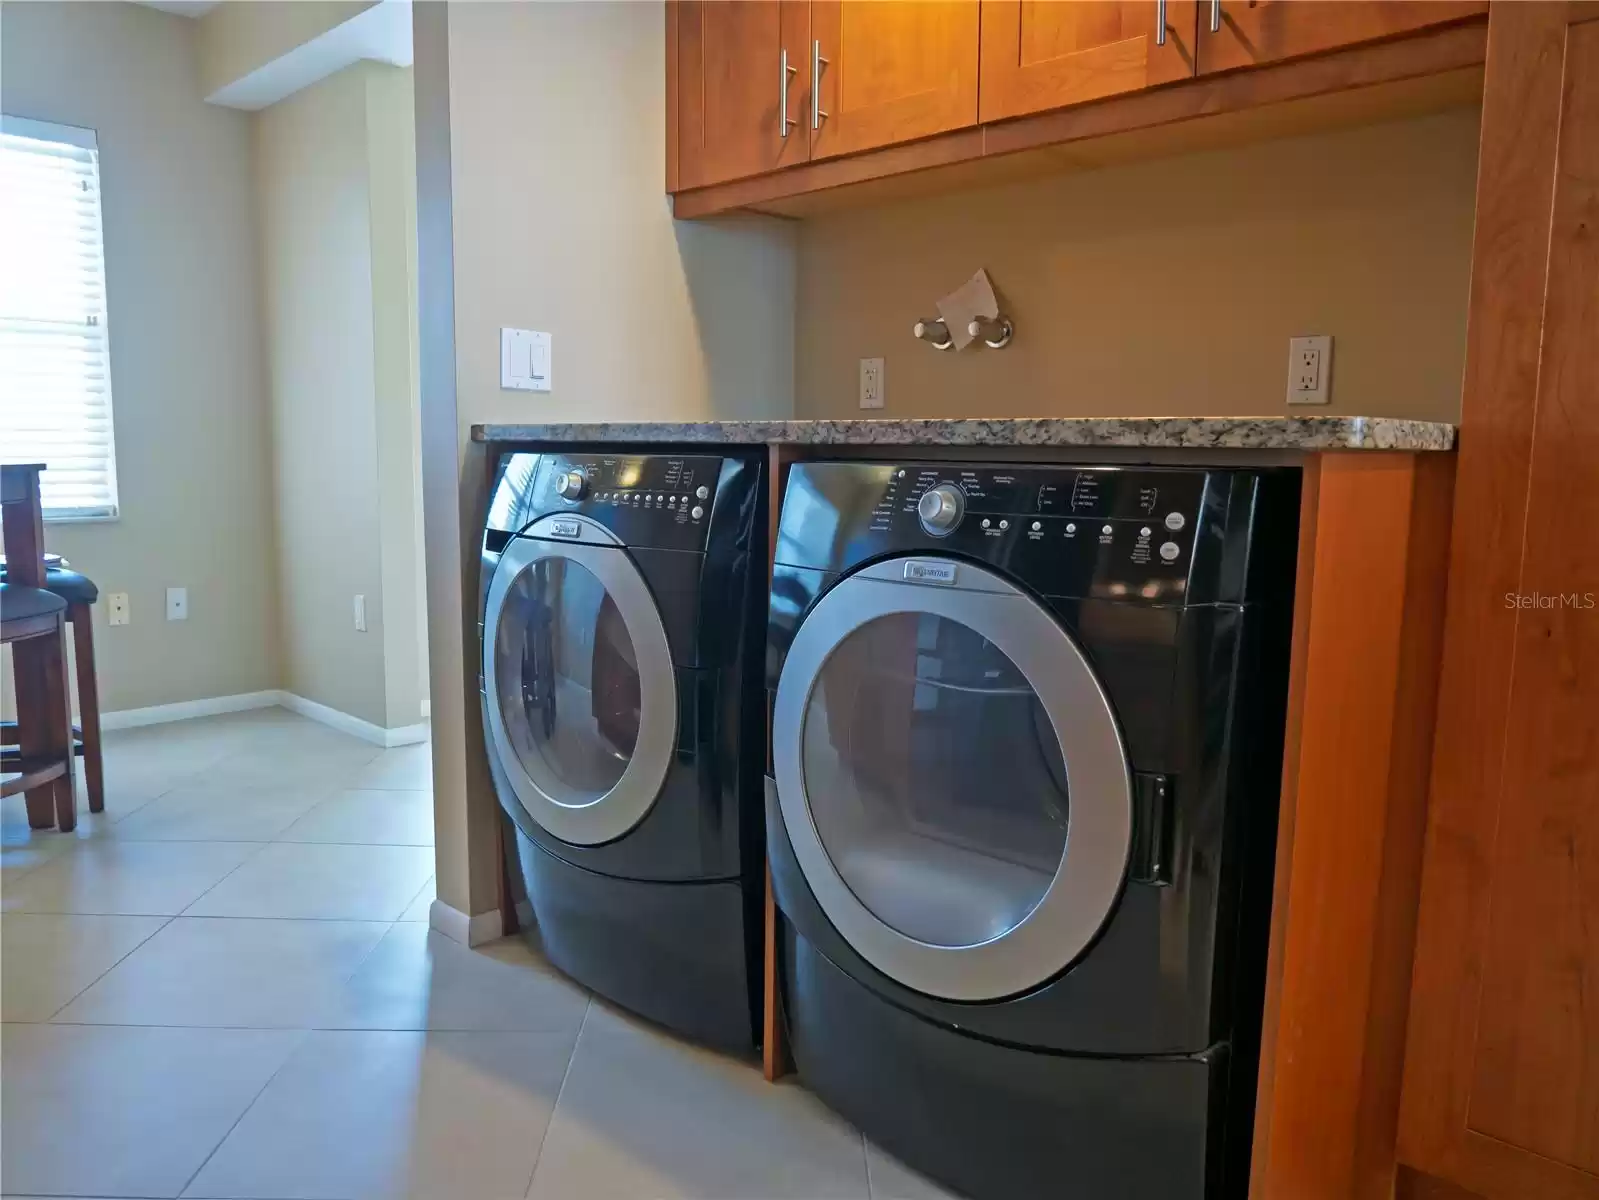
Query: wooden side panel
895	71
1038	56
1362	703
1261	31
1502	1065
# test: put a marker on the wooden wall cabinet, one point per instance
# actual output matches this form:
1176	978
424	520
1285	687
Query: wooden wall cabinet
1041	56
1247	33
1501	1084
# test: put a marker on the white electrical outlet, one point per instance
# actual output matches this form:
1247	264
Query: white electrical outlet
117	604
1309	369
871	383
177	604
360	614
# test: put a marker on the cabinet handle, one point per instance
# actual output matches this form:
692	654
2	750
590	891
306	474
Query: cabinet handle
817	63
783	119
1215	16
1160	22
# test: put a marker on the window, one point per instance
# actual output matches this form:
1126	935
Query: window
55	361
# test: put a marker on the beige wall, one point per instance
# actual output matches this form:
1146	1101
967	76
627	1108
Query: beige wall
1168	287
236	38
332	169
187	372
543	124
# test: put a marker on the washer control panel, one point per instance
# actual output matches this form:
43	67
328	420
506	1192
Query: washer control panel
645	499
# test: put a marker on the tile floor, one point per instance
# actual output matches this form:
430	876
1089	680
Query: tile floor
225	986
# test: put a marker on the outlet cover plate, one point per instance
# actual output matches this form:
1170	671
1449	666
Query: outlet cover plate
177	604
117	606
871	383
1310	370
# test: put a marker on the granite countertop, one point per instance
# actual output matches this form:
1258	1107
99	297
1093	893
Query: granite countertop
1181	433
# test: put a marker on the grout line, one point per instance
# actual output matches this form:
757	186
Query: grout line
113	966
555	1105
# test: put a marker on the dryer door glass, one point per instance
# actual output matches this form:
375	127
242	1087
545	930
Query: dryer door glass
936	781
568	680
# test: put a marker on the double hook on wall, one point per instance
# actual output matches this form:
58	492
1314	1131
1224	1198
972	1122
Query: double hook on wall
995	332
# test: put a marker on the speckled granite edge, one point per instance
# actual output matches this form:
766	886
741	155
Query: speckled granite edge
1235	433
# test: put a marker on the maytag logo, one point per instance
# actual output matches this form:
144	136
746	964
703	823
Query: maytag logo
565	529
920	570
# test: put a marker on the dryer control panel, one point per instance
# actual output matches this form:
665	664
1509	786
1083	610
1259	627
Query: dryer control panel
1155	534
662	501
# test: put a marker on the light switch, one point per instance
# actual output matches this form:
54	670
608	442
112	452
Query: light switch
524	360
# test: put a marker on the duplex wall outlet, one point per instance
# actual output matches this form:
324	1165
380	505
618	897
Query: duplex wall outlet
117	606
177	604
360	614
1309	369
871	383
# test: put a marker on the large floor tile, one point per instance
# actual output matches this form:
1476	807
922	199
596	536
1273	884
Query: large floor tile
893	1180
133	878
645	1117
421	908
358	1114
356	883
408	768
48	958
233	972
91	1110
419	979
363	817
200	811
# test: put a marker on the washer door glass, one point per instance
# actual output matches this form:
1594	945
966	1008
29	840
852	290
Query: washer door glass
936	781
568	681
580	688
951	778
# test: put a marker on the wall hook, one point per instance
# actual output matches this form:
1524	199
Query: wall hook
995	331
935	333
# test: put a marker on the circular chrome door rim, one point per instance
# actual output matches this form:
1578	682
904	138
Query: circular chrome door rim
1088	879
612	814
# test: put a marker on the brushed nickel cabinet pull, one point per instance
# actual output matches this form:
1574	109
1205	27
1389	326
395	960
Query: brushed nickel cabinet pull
817	63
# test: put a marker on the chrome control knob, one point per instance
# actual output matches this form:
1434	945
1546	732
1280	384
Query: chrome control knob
572	485
941	509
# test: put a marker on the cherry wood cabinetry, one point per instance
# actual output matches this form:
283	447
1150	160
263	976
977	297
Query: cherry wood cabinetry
1501	1087
1247	33
1038	56
891	71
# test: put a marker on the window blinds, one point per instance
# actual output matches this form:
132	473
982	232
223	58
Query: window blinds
55	367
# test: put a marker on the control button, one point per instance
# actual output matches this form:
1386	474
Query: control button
571	485
900	474
941	508
1175	521
1170	550
696	512
1071	526
1106	531
985	522
702	492
1144	532
1004	524
1037	525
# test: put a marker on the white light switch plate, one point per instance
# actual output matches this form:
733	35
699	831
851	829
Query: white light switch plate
177	604
524	360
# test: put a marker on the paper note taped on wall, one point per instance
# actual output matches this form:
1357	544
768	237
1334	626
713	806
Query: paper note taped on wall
973	299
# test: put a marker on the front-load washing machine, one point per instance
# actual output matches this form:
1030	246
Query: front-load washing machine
623	707
1027	732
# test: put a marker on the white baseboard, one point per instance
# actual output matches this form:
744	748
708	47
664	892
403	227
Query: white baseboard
405	735
184	710
469	931
159	714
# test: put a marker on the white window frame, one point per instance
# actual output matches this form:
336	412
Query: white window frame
73	135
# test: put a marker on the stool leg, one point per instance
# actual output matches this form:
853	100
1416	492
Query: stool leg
59	698
44	724
88	704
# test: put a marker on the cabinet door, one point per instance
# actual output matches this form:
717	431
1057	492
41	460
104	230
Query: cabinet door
730	83
891	72
1245	33
1038	56
1501	1092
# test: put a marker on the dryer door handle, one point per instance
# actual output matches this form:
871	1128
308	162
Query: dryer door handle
1150	859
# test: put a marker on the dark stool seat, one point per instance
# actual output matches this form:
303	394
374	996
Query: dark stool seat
69	585
20	603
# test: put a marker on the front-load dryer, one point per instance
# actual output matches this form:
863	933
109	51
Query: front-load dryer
623	708
1027	732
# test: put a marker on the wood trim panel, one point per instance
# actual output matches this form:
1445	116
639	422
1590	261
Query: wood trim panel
1434	53
673	116
1363	676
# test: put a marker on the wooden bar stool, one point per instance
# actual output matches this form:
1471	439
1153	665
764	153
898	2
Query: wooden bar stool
33	624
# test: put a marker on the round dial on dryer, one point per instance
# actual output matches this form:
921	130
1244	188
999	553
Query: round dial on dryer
941	508
572	485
